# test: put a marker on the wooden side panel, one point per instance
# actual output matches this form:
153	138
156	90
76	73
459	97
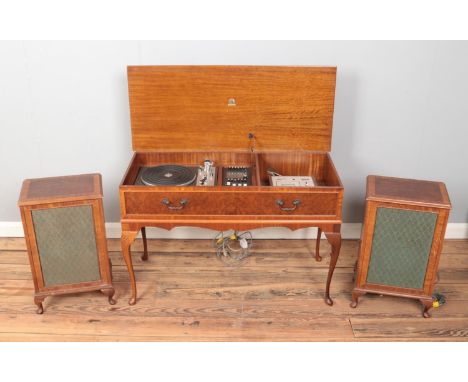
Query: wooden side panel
285	108
331	175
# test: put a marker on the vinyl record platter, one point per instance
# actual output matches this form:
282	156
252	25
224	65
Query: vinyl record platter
168	175
178	175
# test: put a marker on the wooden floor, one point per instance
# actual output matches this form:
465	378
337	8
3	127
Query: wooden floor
187	294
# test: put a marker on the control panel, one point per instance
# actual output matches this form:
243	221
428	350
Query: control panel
237	176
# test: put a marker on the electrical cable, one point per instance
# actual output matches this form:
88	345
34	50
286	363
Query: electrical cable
234	248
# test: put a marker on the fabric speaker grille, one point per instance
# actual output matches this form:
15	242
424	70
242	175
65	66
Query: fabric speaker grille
66	243
401	247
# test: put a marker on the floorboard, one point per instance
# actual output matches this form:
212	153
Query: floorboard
187	294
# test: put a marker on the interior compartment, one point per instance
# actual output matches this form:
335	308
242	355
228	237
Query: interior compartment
142	160
316	164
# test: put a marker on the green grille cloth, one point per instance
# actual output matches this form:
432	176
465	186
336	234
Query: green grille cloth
67	245
400	247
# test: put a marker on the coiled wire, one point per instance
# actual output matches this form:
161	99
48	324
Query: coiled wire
229	249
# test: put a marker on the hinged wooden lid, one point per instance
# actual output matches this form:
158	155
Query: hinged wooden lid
187	108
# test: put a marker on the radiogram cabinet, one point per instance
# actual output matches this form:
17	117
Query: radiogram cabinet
63	221
260	117
402	237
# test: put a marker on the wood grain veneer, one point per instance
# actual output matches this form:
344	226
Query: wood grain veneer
185	108
402	195
44	194
282	119
60	189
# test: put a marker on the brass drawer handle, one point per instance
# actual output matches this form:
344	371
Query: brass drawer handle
167	203
280	203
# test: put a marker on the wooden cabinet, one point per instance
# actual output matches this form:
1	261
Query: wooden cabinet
260	117
63	223
402	236
259	199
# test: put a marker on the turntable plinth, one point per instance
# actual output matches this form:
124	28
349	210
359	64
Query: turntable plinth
260	117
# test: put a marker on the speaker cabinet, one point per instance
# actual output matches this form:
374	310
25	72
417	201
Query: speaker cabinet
63	222
402	237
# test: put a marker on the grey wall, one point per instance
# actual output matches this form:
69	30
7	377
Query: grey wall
401	109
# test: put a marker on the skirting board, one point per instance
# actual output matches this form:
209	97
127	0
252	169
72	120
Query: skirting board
348	230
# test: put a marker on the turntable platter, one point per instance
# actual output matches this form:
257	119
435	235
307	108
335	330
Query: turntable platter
168	175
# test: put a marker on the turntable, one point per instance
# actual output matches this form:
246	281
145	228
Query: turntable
204	139
168	175
177	175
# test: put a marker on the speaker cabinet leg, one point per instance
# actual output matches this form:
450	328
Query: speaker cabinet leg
144	257
126	241
354	271
38	301
334	238
110	295
110	270
355	298
427	305
317	245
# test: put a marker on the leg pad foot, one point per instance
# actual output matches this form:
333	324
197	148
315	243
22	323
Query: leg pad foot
427	305
110	295
38	301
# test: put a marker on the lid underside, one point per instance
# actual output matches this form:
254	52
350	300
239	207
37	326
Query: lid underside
186	108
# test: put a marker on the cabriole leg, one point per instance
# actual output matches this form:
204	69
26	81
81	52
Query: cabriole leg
144	257
317	245
334	238
127	239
